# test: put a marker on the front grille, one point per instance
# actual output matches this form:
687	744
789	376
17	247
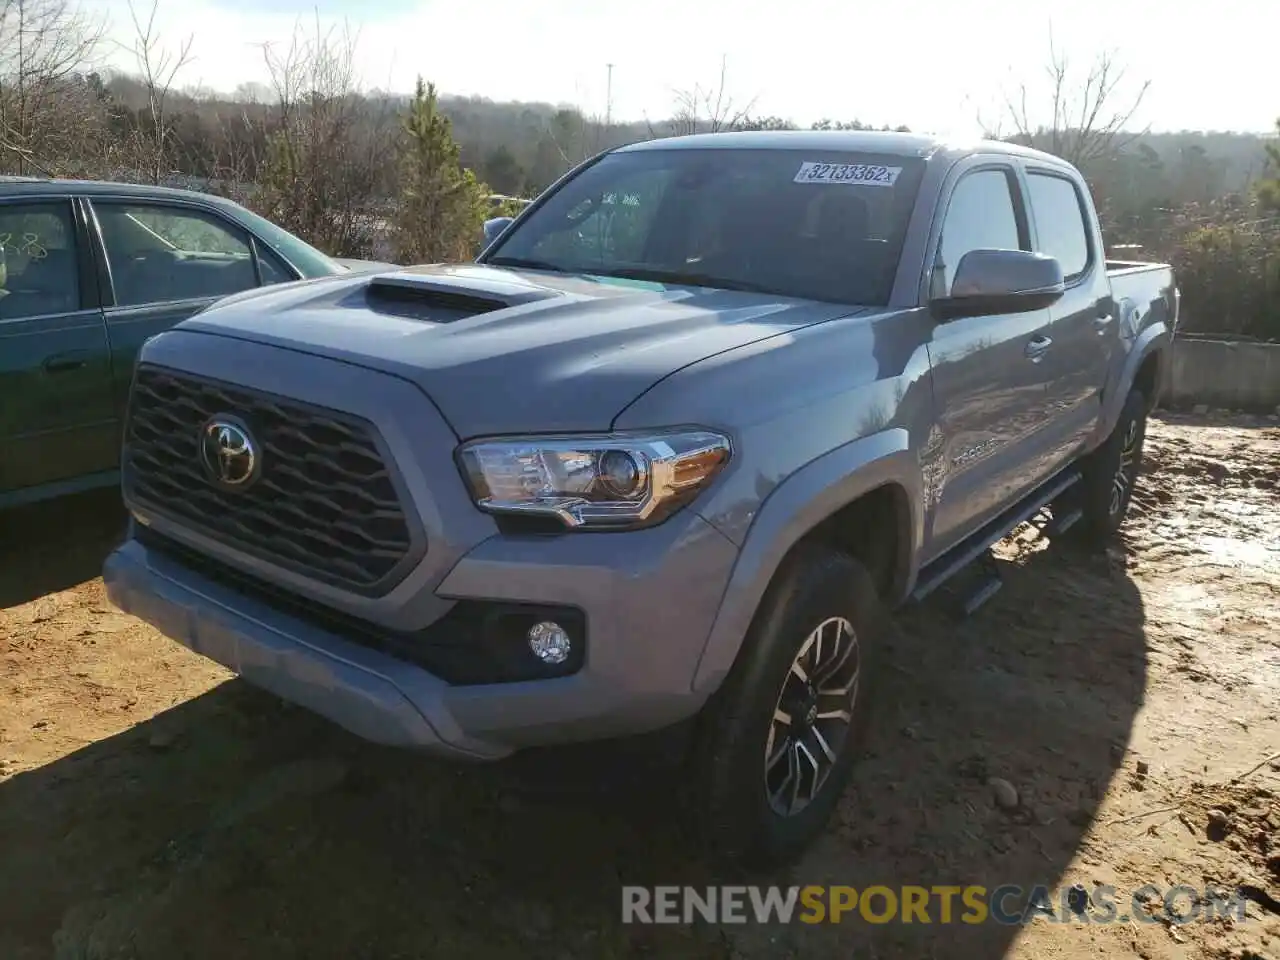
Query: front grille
324	505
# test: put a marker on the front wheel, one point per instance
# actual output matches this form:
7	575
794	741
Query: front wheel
777	743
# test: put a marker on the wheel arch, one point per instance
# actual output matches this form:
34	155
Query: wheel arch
863	497
1150	376
1146	365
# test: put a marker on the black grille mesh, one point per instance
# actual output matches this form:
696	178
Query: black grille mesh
324	505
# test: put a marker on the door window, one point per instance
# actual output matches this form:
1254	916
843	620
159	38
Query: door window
39	273
272	268
1060	224
160	253
982	215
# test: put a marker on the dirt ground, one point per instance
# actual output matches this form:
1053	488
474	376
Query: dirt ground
151	806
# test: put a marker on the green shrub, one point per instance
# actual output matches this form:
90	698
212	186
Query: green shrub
1229	275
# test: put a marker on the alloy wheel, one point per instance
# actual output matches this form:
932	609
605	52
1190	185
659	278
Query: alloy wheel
813	716
1127	471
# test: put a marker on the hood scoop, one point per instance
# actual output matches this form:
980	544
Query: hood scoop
440	297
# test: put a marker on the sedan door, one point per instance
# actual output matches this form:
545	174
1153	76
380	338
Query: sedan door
989	374
165	261
58	423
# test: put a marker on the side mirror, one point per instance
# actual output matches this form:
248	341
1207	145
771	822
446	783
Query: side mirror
493	228
1001	281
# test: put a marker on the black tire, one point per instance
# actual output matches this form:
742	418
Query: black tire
732	809
1110	473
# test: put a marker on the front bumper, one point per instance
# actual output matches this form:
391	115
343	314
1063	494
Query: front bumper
649	609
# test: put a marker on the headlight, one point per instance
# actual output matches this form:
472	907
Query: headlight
613	480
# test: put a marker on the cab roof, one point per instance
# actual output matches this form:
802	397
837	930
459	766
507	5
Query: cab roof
49	186
850	141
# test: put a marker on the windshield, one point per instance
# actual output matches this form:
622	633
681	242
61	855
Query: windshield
310	262
818	225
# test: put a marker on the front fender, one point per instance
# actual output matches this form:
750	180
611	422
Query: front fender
791	510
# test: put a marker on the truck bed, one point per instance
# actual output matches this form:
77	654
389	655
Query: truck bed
1125	267
1144	292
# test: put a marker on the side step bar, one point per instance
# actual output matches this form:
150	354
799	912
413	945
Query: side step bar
979	544
1061	525
988	587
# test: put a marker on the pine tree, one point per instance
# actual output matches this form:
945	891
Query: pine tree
442	204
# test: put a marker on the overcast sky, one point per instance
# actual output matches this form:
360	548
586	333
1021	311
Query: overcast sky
934	65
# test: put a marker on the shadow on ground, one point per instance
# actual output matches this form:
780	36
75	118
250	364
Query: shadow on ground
57	544
234	826
1041	689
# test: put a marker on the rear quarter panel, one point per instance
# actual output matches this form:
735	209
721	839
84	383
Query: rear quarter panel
1146	300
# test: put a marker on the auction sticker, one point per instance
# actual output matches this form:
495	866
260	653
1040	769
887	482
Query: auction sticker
864	174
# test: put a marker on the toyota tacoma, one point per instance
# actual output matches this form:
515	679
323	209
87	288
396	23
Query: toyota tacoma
664	455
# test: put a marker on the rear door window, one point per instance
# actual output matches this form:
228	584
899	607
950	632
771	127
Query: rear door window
160	253
1061	229
272	268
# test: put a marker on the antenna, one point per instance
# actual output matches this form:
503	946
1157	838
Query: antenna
608	96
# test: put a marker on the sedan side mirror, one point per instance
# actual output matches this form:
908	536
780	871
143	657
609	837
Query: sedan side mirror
493	228
999	282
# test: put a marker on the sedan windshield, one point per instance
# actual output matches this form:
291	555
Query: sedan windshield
816	225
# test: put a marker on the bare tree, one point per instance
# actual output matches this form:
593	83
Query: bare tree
707	109
325	175
157	69
1088	115
238	149
567	131
47	109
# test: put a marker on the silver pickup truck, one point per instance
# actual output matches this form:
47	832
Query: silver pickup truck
667	452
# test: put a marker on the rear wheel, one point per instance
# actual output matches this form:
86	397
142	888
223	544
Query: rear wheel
777	743
1110	472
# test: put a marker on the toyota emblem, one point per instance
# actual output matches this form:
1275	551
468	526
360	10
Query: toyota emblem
228	453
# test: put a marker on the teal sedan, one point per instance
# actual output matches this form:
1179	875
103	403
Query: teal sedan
88	271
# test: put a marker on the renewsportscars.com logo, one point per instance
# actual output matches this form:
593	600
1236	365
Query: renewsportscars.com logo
972	904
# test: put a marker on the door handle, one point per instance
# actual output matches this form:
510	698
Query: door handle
66	362
1036	348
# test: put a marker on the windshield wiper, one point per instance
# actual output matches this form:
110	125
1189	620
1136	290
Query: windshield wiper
681	277
523	263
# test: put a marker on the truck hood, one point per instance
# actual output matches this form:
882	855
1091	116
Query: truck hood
508	351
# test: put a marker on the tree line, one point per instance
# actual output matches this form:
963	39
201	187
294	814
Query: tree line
309	147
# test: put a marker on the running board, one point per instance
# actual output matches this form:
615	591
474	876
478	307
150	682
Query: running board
958	558
988	587
1061	525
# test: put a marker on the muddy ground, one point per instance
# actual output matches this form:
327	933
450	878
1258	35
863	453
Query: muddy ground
151	806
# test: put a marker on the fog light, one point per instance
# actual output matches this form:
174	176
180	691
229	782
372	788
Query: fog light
549	642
